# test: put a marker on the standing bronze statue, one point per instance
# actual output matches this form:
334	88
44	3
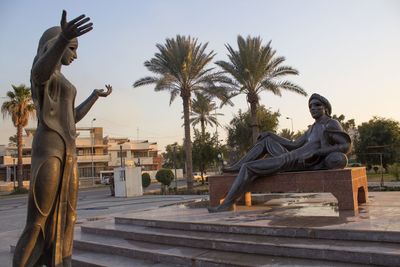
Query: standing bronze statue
48	235
323	146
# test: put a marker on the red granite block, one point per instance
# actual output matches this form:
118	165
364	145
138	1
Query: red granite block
348	185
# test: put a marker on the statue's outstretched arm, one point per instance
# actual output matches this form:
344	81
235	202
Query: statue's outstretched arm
47	62
84	107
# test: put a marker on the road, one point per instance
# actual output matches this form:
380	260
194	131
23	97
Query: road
92	202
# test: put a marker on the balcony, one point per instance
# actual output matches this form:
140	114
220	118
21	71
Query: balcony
10	161
95	158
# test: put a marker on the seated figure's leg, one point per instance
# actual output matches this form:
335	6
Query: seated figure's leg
40	203
336	160
256	152
249	171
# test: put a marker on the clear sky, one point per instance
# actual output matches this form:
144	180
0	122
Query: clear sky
348	51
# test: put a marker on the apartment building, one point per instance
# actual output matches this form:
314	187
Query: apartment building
125	152
95	153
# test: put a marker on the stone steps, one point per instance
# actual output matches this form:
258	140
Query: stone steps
85	258
297	232
202	240
95	250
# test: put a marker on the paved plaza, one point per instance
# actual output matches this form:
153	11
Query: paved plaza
306	211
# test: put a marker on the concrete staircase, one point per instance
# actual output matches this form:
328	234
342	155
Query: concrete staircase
148	242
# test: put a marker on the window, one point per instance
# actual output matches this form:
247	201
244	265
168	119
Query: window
123	154
140	154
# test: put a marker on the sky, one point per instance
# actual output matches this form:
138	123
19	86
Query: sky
345	50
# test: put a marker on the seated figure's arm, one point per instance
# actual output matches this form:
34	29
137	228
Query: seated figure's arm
339	140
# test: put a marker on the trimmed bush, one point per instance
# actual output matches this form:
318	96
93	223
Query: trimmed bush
18	191
394	170
165	176
146	180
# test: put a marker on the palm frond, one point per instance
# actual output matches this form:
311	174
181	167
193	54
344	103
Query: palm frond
146	81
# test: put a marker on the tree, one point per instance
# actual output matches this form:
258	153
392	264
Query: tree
287	133
165	177
240	131
254	69
146	179
181	68
348	125
378	135
205	152
13	140
174	153
202	112
20	108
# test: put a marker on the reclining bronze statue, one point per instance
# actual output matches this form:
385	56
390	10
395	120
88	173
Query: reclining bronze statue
323	146
48	235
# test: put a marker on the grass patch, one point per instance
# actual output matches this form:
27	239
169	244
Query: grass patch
384	188
376	177
197	190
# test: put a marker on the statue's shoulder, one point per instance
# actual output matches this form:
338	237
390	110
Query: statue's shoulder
333	125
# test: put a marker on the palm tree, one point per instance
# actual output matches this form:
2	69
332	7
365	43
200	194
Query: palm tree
20	107
202	108
255	68
180	68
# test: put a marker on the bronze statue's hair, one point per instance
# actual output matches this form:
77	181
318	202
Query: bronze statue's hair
48	35
324	101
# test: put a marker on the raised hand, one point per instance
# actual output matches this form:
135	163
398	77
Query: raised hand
102	92
76	27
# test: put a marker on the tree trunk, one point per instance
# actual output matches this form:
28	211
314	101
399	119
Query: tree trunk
19	162
188	144
203	128
254	123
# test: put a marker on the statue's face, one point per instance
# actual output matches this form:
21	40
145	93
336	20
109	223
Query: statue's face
70	52
317	108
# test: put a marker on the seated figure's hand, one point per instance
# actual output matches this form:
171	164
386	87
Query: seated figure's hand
102	92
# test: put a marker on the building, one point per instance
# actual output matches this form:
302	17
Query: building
95	153
123	151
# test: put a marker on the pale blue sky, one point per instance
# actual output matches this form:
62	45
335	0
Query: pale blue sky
345	50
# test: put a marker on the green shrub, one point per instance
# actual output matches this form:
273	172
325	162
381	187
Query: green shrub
146	180
394	170
165	176
18	191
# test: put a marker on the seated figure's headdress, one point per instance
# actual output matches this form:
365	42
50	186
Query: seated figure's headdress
324	101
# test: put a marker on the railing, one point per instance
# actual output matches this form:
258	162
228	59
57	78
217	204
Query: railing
10	161
95	158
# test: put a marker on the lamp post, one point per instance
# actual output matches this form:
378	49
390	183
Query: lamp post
92	149
176	178
291	120
220	157
122	163
15	173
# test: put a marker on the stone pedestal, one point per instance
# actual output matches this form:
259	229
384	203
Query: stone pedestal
349	185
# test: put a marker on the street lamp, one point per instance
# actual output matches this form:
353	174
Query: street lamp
220	157
291	120
176	181
92	149
15	173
